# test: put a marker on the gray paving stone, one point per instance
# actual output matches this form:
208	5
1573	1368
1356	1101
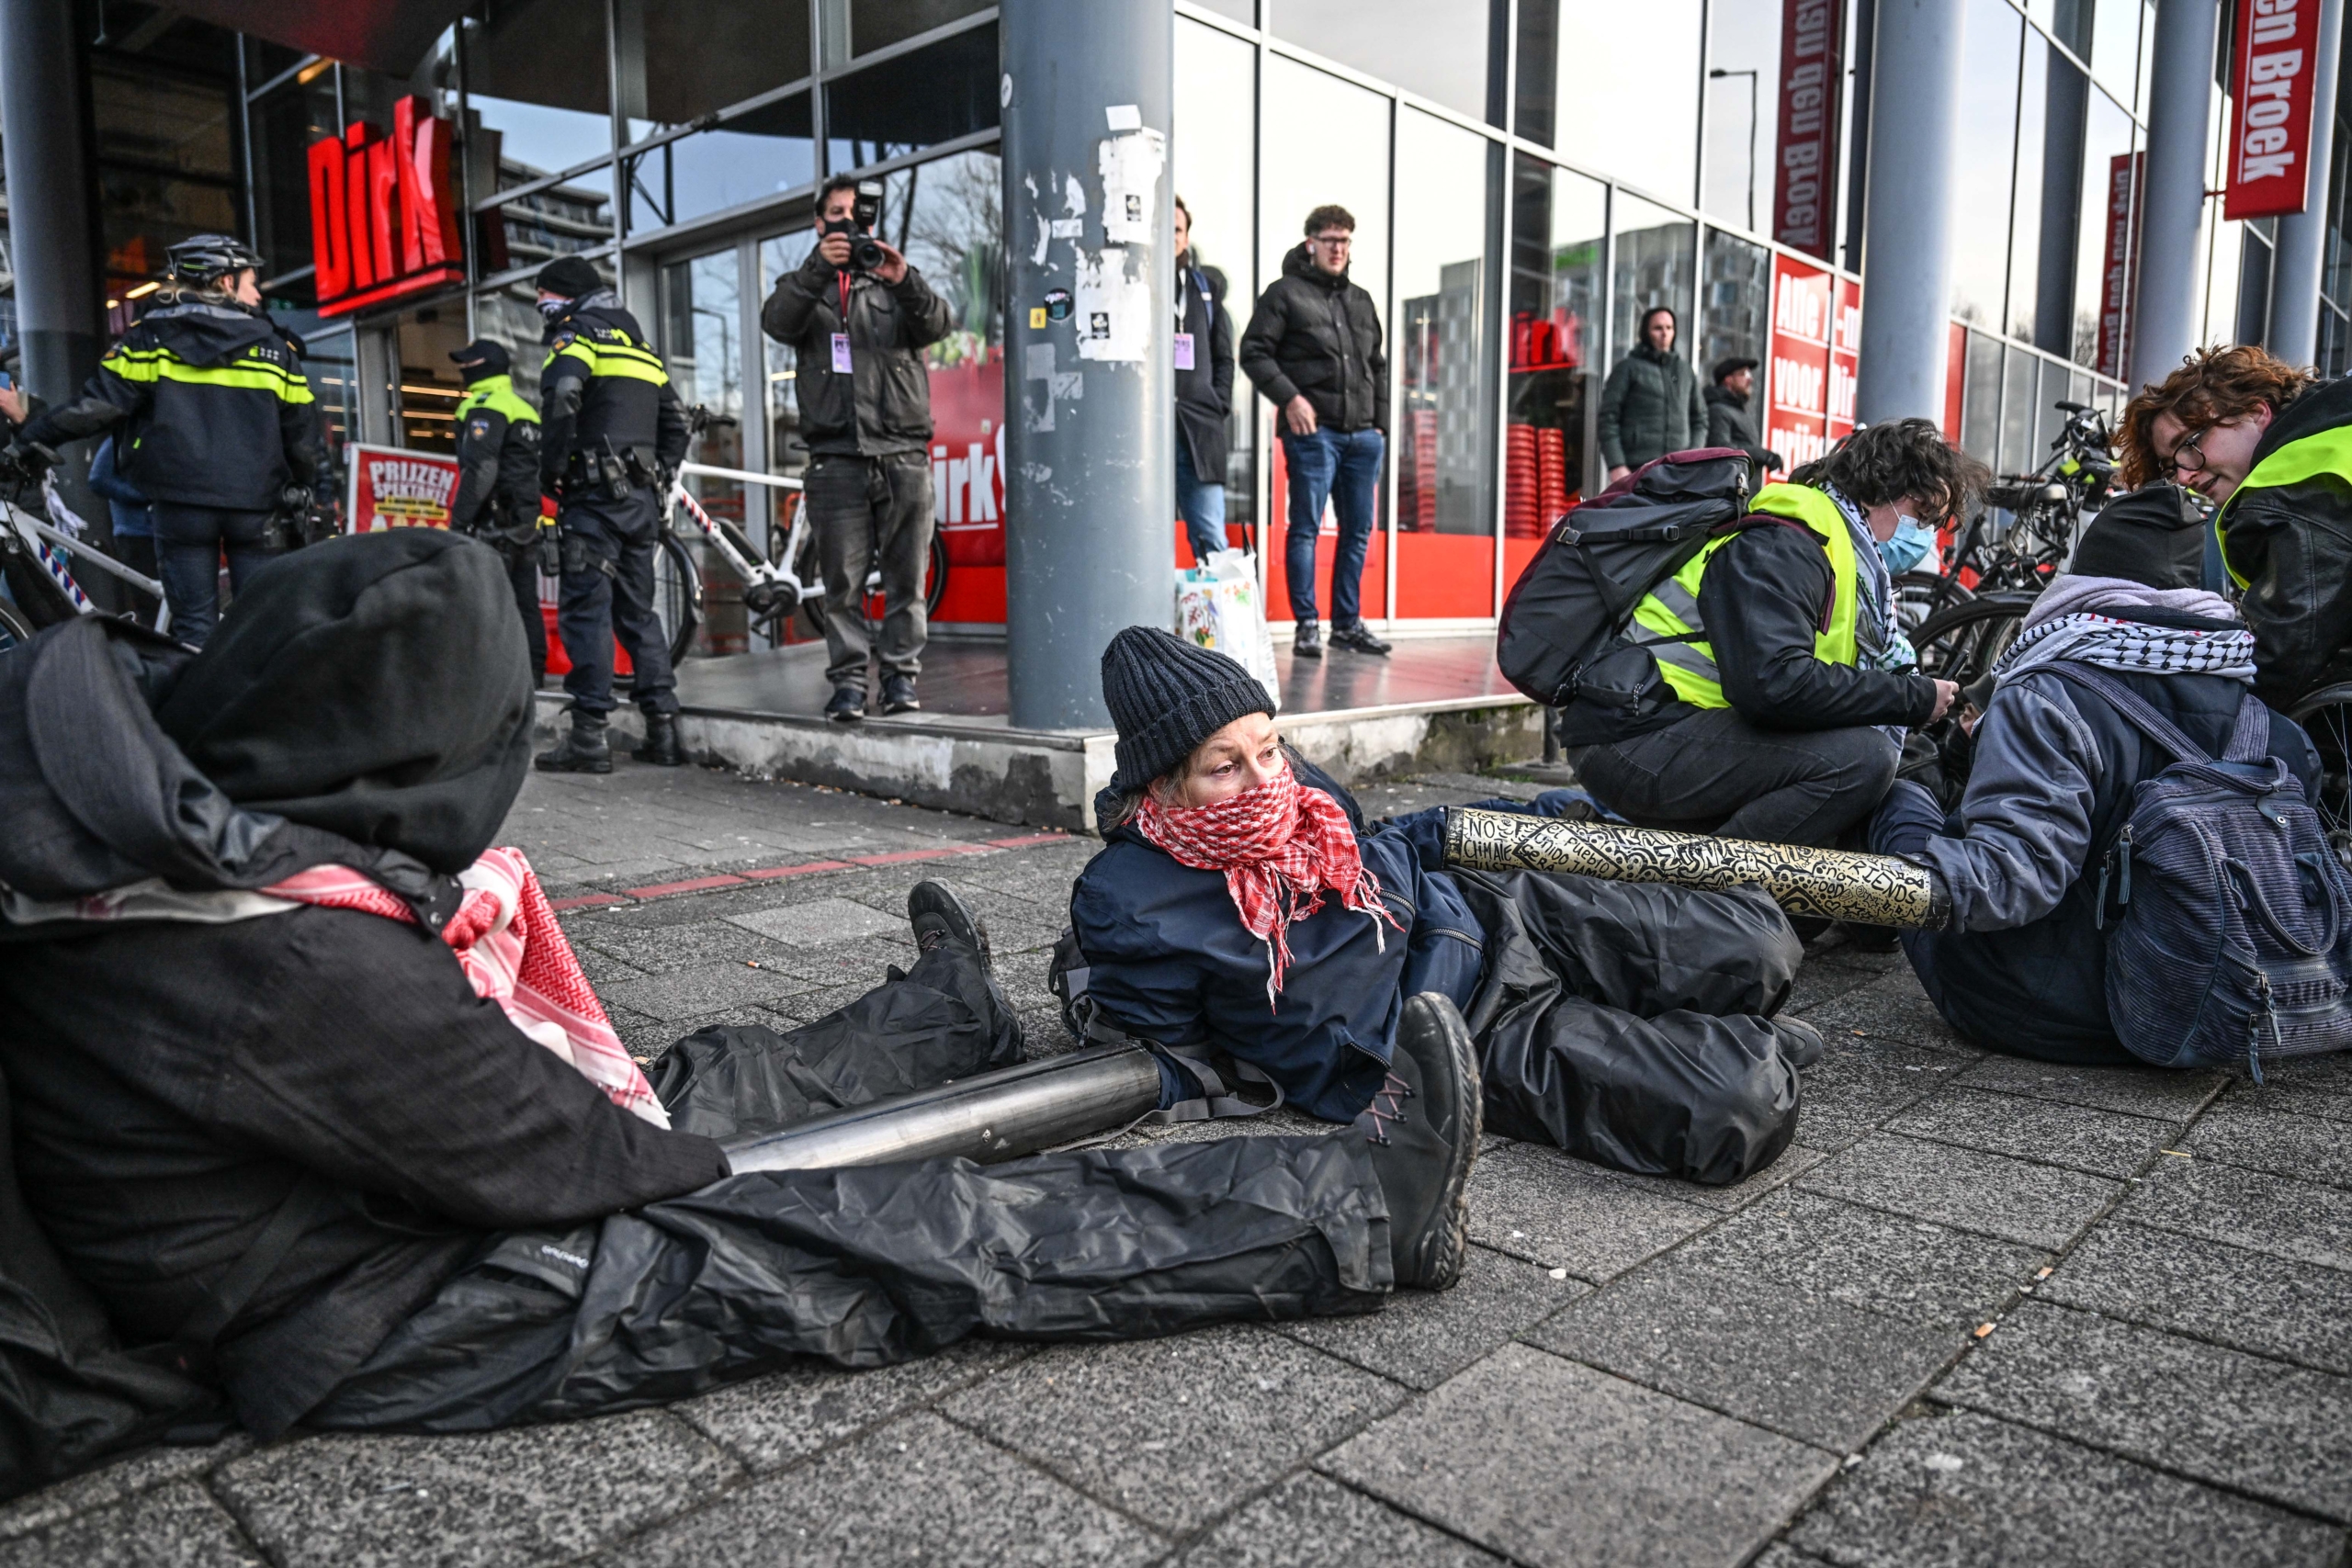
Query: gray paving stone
2099	1140
1537	1204
775	1419
1966	1491
165	1527
1793	1361
665	950
2239	1421
1885	1263
1820	984
1892	1006
705	988
2272	1139
1858	1083
2274	1306
1310	1519
822	923
1554	1463
2133	1091
2039	1204
917	1491
2245	1207
1424	1337
1794	1161
112	1483
1170	1429
532	1493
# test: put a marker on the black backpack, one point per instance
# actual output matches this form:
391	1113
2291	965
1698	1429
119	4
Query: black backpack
1561	640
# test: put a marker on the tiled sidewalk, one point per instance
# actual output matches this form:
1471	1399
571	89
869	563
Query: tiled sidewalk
1981	1311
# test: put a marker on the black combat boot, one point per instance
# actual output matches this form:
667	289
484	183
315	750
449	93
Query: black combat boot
937	916
1423	1126
583	750
661	748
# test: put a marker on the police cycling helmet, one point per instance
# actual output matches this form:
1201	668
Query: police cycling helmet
208	258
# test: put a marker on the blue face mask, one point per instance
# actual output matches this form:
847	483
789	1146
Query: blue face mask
1907	548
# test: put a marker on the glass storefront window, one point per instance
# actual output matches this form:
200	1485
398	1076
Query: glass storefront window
1394	40
1559	239
2018	398
914	100
166	161
283	126
1213	159
1743	114
2107	136
2054	95
679	60
1627	99
427	383
532	230
1991	39
539	96
1441	425
1243	11
946	218
702	338
327	366
1980	417
748	158
1655	262
510	317
2115	47
878	24
1735	301
787	453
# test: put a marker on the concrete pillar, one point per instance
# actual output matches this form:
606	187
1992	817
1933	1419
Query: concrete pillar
52	183
1089	372
1914	145
2164	322
2303	236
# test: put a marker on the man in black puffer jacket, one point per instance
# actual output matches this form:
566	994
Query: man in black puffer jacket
1650	404
1313	350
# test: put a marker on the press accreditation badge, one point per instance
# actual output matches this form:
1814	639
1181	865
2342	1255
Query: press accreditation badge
1183	351
841	353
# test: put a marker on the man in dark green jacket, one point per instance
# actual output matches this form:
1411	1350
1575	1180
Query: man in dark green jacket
1651	406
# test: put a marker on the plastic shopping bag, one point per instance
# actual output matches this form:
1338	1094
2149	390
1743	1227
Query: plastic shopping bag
1219	605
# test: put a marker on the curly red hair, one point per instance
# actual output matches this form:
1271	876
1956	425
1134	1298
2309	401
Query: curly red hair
2213	385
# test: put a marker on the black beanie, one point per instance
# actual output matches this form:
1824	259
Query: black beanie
375	686
2155	537
569	277
1168	696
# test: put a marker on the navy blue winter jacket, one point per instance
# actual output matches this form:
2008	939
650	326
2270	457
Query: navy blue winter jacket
1170	962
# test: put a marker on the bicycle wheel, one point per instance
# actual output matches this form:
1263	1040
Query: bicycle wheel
2326	717
677	594
1919	594
15	630
1964	643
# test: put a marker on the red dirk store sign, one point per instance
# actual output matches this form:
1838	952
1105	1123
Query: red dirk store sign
384	211
2278	55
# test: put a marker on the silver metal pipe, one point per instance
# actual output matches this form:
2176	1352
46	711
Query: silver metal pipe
996	1116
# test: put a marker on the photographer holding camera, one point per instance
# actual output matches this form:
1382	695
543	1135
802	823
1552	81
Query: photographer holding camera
858	318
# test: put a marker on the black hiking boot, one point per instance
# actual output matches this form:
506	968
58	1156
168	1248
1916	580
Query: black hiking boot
1359	638
848	705
660	747
1801	1043
1308	643
1423	1127
939	916
899	695
584	749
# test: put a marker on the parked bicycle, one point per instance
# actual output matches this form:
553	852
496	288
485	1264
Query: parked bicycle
42	589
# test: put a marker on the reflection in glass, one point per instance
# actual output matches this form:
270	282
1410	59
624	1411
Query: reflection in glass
509	316
2107	147
1334	140
702	338
166	164
2115	46
2018	398
1656	257
1445	462
283	126
679	60
1394	40
327	367
1736	302
1211	158
534	228
2049	234
878	24
1980	415
944	217
915	100
2254	279
1559	236
1988	104
1743	119
537	89
429	383
1624	87
787	453
748	158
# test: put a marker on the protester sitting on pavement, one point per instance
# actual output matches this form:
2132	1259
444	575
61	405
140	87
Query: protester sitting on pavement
1650	405
1313	350
2273	447
1728	422
1241	908
2022	967
1783	684
298	1144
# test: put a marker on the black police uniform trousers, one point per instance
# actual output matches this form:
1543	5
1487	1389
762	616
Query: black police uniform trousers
189	543
873	513
868	1267
523	576
607	591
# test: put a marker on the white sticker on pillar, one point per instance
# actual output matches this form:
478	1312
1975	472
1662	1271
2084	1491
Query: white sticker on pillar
1114	312
1068	228
1130	166
1122	116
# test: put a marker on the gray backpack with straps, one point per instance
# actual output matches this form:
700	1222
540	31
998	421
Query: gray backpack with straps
1220	1076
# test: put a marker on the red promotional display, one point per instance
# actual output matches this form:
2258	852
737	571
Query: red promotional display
394	488
1797	393
968	486
384	211
2269	146
1805	185
2121	262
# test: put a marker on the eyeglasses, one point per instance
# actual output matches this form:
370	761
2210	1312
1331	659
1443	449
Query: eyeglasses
1336	242
2189	455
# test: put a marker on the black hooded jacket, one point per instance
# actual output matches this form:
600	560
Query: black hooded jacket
212	403
1204	393
178	1083
1317	335
2292	545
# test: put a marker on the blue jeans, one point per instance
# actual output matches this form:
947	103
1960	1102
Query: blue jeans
1200	502
1343	467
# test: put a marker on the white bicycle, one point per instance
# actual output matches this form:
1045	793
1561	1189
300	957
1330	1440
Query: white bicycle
41	587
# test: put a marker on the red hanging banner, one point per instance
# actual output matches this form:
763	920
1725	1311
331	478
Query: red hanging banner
2122	260
2270	139
1805	185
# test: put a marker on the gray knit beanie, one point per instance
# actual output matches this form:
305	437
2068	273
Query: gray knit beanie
1166	696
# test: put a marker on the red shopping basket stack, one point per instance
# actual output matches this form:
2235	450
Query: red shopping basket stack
1522	484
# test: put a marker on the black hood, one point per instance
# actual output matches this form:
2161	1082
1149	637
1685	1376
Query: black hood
376	687
208	333
1300	262
2154	535
2324	406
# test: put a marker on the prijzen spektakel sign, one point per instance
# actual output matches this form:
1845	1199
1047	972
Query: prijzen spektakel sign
394	488
2270	139
384	211
1805	185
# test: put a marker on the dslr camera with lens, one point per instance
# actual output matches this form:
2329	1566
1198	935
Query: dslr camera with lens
866	253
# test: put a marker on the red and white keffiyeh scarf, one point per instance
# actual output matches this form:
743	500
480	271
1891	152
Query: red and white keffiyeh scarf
1280	848
514	953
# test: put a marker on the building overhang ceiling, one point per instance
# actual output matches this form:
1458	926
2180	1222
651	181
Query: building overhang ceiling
390	35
